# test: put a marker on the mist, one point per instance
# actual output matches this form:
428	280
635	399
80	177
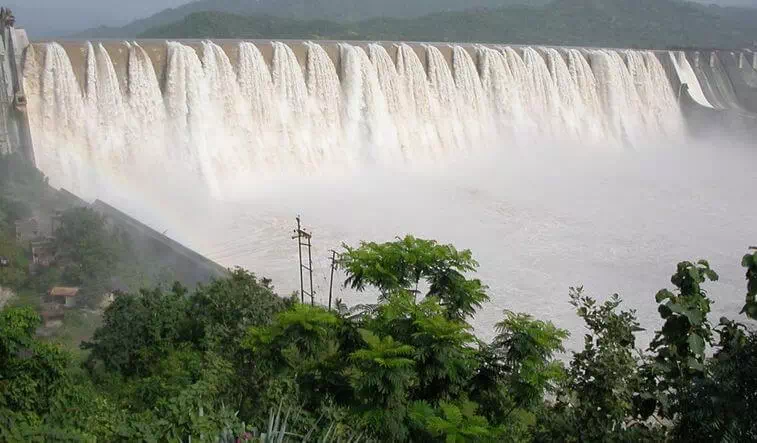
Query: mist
538	219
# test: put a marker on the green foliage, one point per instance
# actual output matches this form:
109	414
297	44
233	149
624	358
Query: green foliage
85	248
596	401
138	330
301	335
750	263
31	372
403	264
681	343
452	423
174	365
715	408
224	310
16	274
381	375
526	347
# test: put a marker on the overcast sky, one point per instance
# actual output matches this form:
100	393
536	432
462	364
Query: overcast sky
59	17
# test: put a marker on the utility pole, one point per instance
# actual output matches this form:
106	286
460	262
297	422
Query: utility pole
331	280
307	236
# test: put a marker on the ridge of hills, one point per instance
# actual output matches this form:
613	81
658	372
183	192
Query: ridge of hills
613	23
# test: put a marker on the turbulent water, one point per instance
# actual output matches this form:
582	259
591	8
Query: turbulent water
548	163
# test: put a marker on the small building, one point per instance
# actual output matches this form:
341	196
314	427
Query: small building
4	262
63	296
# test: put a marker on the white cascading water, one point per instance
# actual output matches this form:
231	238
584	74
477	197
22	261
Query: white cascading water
104	101
688	77
370	125
145	136
291	97
397	101
573	109
223	122
543	97
473	112
505	93
662	113
595	125
445	99
421	105
620	99
325	104
59	120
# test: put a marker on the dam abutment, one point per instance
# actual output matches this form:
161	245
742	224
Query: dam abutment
15	131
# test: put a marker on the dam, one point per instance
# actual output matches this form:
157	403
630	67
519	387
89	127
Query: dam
554	165
225	110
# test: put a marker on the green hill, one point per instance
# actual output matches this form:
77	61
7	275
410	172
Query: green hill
333	10
609	23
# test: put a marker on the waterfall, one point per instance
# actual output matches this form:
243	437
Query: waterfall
473	110
504	92
617	92
688	77
420	102
146	127
292	98
572	108
445	100
326	102
661	115
393	89
59	119
595	124
224	121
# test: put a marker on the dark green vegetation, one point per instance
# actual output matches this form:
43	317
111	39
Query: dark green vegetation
85	249
75	246
613	23
232	359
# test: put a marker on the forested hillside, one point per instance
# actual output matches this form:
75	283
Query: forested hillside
332	10
614	23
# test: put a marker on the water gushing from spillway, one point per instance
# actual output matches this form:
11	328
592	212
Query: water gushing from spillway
224	119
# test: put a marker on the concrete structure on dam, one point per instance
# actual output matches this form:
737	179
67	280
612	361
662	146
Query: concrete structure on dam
15	133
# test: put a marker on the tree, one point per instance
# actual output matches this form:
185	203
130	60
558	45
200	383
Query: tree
87	251
224	310
679	360
526	348
713	408
139	330
453	423
15	275
403	264
750	263
596	402
382	375
31	372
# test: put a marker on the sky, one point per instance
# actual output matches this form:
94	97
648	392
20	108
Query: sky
43	18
